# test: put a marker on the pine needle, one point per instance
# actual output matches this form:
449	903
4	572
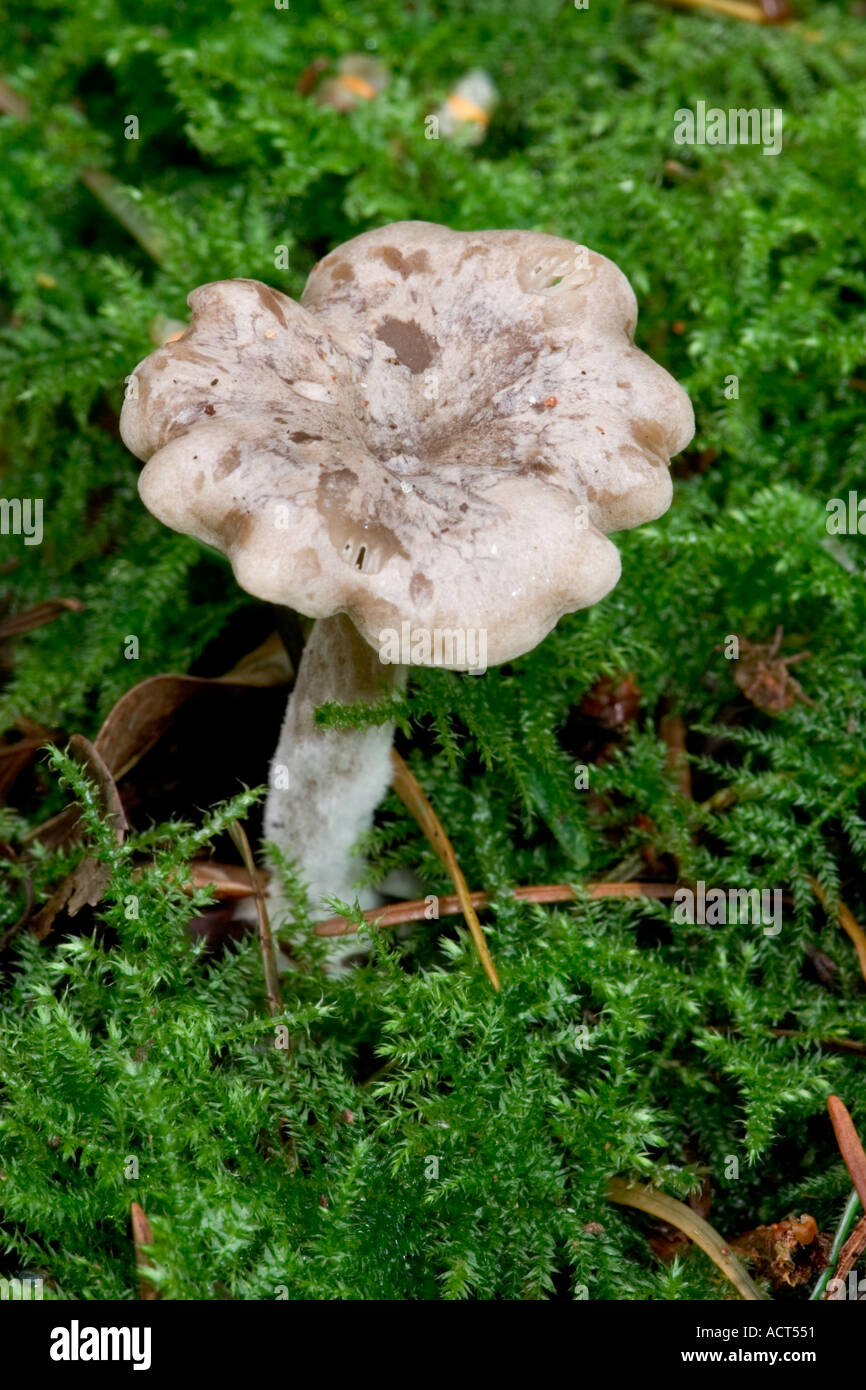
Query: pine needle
266	941
107	190
840	1240
849	1145
847	921
411	794
142	1235
416	910
678	1214
733	9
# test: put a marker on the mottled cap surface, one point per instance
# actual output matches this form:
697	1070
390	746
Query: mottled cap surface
442	432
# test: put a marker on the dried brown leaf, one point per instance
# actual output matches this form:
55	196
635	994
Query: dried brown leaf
614	701
143	714
38	616
86	885
787	1253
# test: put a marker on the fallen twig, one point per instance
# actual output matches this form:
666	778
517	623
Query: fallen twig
417	909
666	1208
672	730
412	795
272	979
851	1251
226	880
142	1235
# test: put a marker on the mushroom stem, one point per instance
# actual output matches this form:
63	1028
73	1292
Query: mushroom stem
326	783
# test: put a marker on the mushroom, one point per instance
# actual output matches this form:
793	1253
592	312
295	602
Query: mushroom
465	112
425	455
359	78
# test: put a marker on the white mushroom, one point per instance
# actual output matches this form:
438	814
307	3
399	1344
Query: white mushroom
437	439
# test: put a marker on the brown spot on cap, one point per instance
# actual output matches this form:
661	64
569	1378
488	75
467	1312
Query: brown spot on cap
477	248
652	436
175	431
308	562
406	265
420	588
237	527
342	271
414	347
227	464
355	533
184	352
270	301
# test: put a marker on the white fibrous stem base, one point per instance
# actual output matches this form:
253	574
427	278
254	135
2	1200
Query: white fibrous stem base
325	784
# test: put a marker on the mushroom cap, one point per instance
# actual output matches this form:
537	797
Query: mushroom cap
442	432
